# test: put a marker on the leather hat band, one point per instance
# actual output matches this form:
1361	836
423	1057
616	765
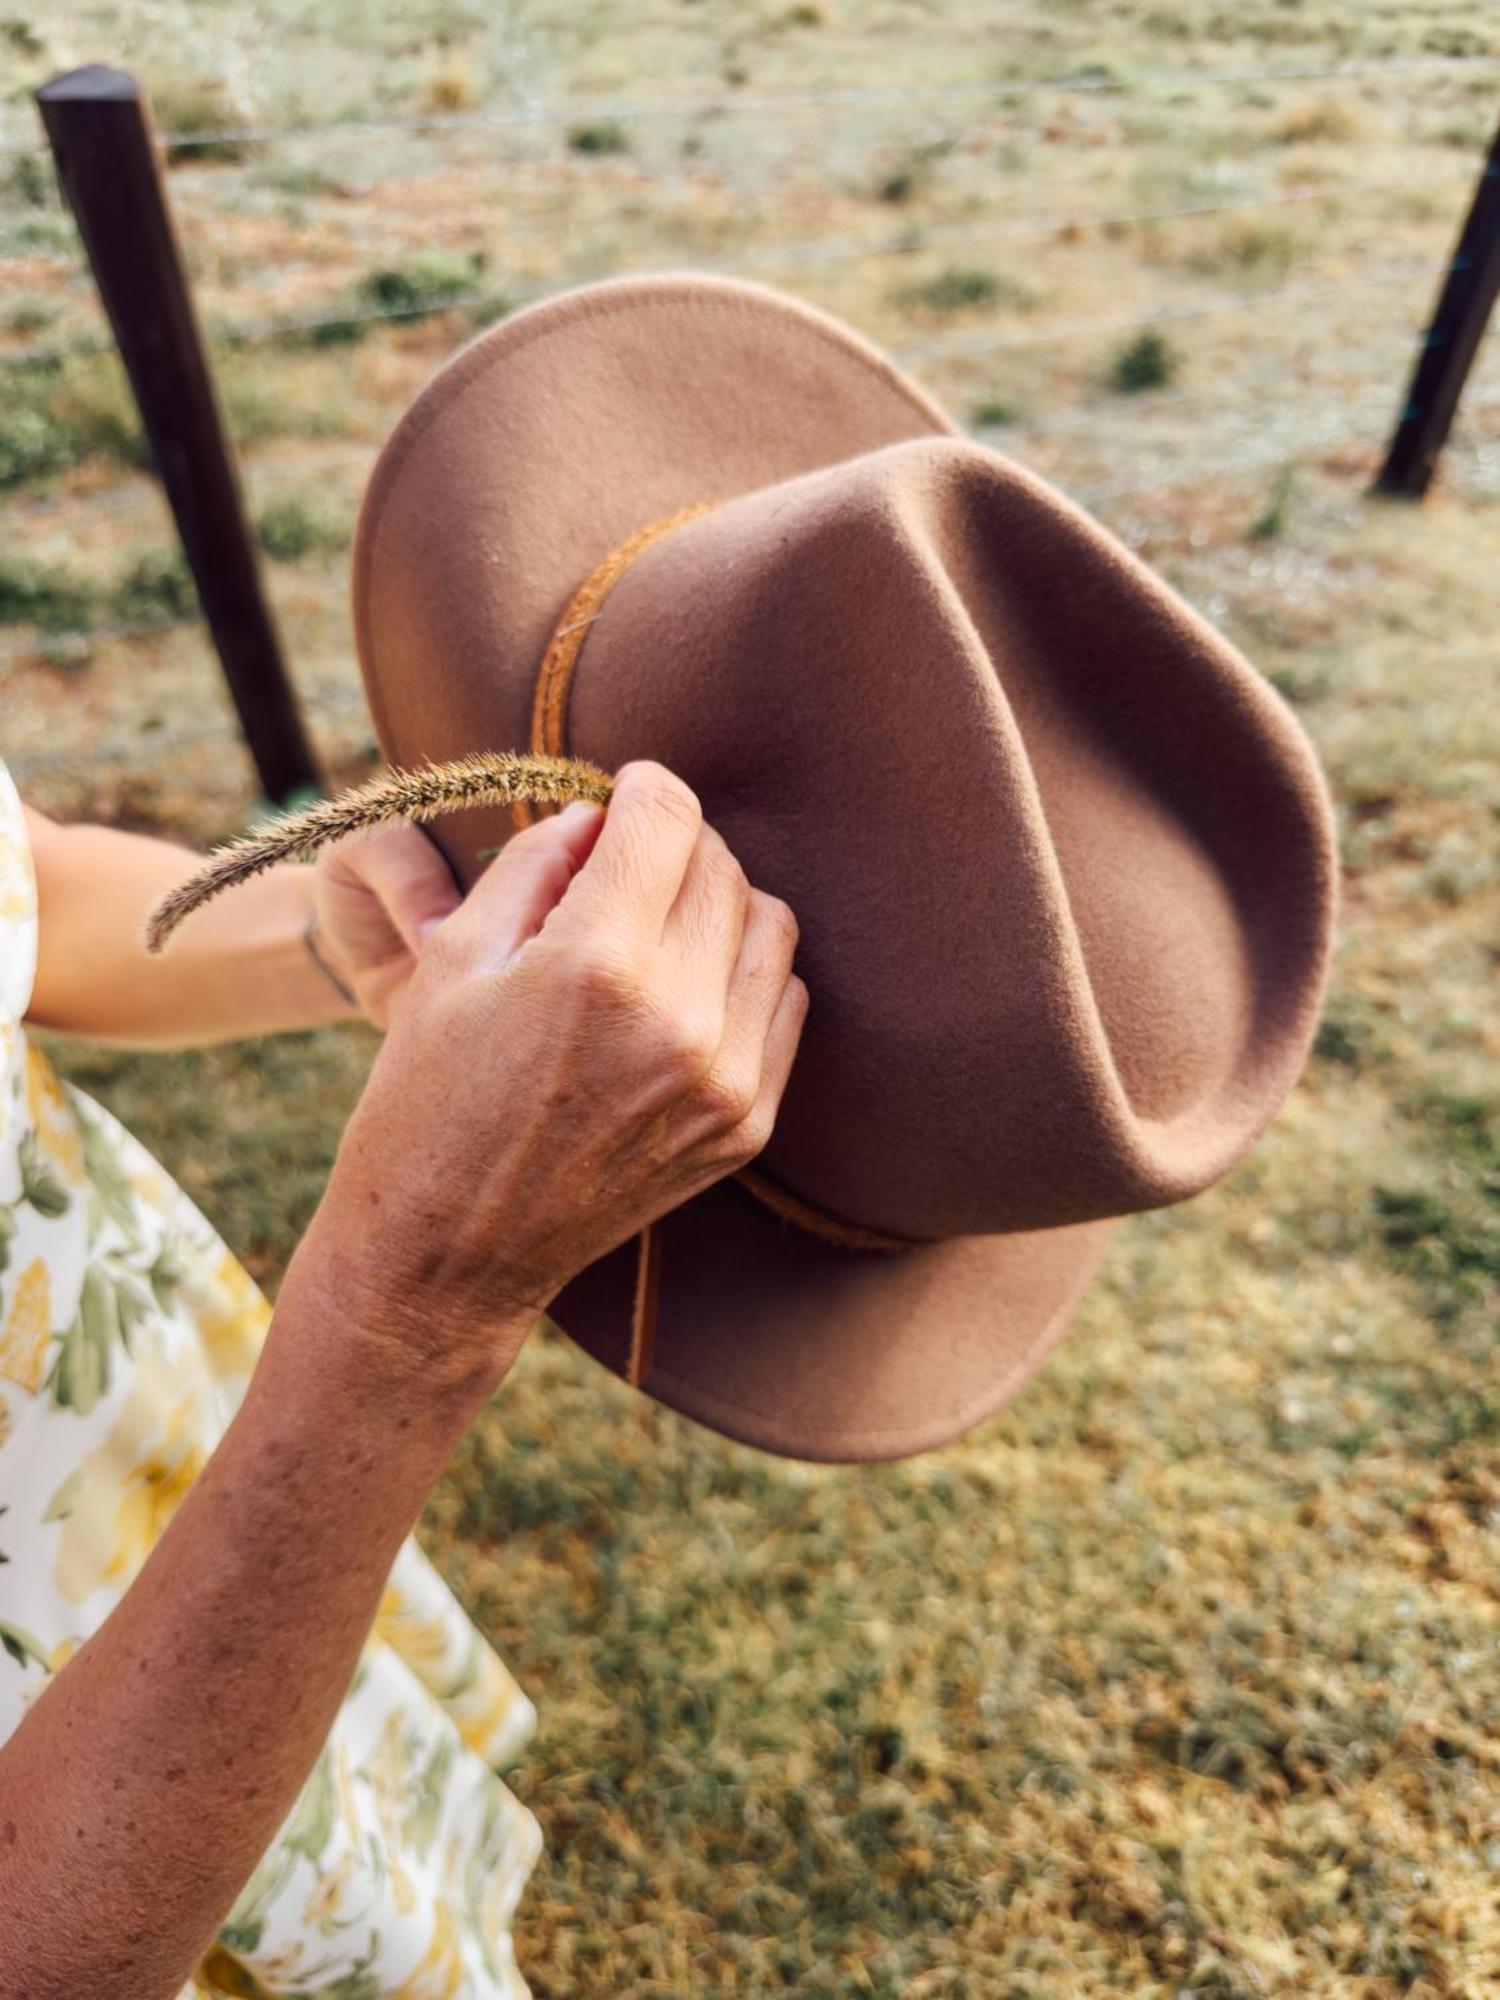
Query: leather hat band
549	732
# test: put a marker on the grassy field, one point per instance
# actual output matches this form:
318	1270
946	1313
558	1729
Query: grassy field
1182	1676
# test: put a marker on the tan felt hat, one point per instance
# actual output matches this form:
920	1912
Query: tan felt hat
1062	860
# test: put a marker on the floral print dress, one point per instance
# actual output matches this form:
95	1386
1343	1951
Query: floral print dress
127	1336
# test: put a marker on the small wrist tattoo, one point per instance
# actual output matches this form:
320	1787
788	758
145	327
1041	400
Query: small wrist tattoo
310	939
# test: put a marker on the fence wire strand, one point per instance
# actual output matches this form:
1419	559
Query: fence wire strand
499	299
1286	451
1297	442
760	104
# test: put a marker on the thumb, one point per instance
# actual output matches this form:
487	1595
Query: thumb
397	872
525	882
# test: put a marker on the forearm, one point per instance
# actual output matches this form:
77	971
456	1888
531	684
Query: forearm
240	968
142	1788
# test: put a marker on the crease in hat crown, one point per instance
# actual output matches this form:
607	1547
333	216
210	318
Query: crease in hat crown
1061	860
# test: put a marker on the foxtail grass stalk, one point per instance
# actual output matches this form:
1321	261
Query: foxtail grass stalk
489	778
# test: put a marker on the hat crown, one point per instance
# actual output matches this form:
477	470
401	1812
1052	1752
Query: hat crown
1060	856
1063	863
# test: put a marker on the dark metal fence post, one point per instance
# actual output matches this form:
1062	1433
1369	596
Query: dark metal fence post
99	126
1453	338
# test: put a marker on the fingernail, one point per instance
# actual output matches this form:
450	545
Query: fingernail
428	925
579	811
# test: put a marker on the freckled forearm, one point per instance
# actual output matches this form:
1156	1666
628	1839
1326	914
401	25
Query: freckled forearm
143	1786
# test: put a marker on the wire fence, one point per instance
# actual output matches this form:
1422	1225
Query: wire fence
1295	441
1070	224
742	103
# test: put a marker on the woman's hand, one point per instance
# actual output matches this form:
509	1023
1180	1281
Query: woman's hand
601	1030
376	897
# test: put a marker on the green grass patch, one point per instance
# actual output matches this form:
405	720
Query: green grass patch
994	413
1149	361
30	312
58	415
201	118
54	600
1249	248
156	588
33	444
433	280
964	288
28	181
602	136
292	528
90	399
1270	524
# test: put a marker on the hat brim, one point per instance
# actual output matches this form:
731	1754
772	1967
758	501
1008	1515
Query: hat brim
551	440
564	444
777	1340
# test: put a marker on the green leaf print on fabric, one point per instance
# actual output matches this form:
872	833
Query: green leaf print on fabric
480	1871
466	1674
7	1232
166	1274
114	1302
237	1936
15	1641
353	1986
311	1824
359	1983
427	1798
20	1645
132	1306
112	1197
245	1925
39	1184
80	1374
60	1505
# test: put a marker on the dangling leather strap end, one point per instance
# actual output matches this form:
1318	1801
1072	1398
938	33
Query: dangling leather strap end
643	1310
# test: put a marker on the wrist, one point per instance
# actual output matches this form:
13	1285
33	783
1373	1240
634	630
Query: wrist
278	909
338	976
380	1319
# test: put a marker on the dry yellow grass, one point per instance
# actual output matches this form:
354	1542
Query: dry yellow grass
1182	1677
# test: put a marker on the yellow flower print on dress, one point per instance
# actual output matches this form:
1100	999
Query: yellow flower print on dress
115	1505
17	881
419	1619
52	1118
440	1976
321	1912
221	1977
231	1315
27	1331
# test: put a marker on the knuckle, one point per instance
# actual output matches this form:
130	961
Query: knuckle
780	916
665	793
444	956
663	1040
754	1131
602	979
727	1100
729	873
687	1051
